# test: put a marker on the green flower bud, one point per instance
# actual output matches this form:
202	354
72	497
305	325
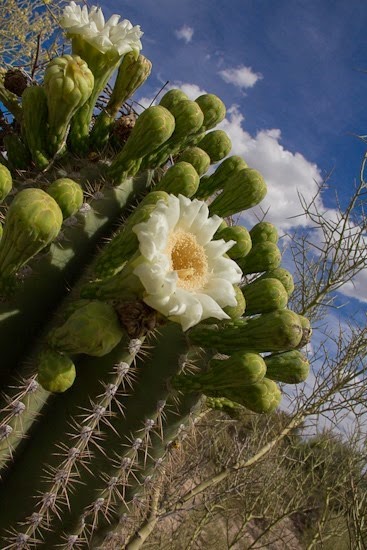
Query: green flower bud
218	180
217	144
238	234
171	98
188	119
56	372
68	84
102	65
262	398
263	296
239	370
279	330
92	329
152	128
199	159
290	367
244	190
213	109
222	404
132	73
262	232
262	257
283	276
32	222
181	178
68	194
6	182
35	116
237	311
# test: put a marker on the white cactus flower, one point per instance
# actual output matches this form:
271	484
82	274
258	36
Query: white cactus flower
104	36
184	272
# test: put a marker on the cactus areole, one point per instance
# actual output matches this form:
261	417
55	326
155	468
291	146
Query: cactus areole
116	276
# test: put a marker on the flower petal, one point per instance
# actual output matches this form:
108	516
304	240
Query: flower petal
222	291
205	229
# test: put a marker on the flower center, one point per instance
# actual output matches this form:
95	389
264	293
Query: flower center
188	259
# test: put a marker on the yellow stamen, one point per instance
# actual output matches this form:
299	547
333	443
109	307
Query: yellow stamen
188	259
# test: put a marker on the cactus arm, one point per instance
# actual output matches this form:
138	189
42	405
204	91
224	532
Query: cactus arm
138	407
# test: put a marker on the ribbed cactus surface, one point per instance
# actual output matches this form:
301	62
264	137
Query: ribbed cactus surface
123	294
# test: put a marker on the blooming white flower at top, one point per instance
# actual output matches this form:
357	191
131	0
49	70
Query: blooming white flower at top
104	36
184	272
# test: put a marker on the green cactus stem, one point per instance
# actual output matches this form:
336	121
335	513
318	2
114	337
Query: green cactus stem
241	237
93	329
279	330
6	182
181	178
123	286
68	194
218	180
262	398
153	127
199	159
125	243
131	74
238	370
56	371
35	115
262	257
68	84
32	222
217	144
265	295
283	276
244	190
95	408
19	156
102	65
290	367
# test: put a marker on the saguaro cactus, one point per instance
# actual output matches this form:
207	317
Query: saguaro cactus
102	250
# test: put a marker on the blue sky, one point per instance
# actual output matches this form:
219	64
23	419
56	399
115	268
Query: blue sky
290	73
309	54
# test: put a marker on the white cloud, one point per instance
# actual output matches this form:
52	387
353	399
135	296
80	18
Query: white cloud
242	77
287	174
191	90
185	33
